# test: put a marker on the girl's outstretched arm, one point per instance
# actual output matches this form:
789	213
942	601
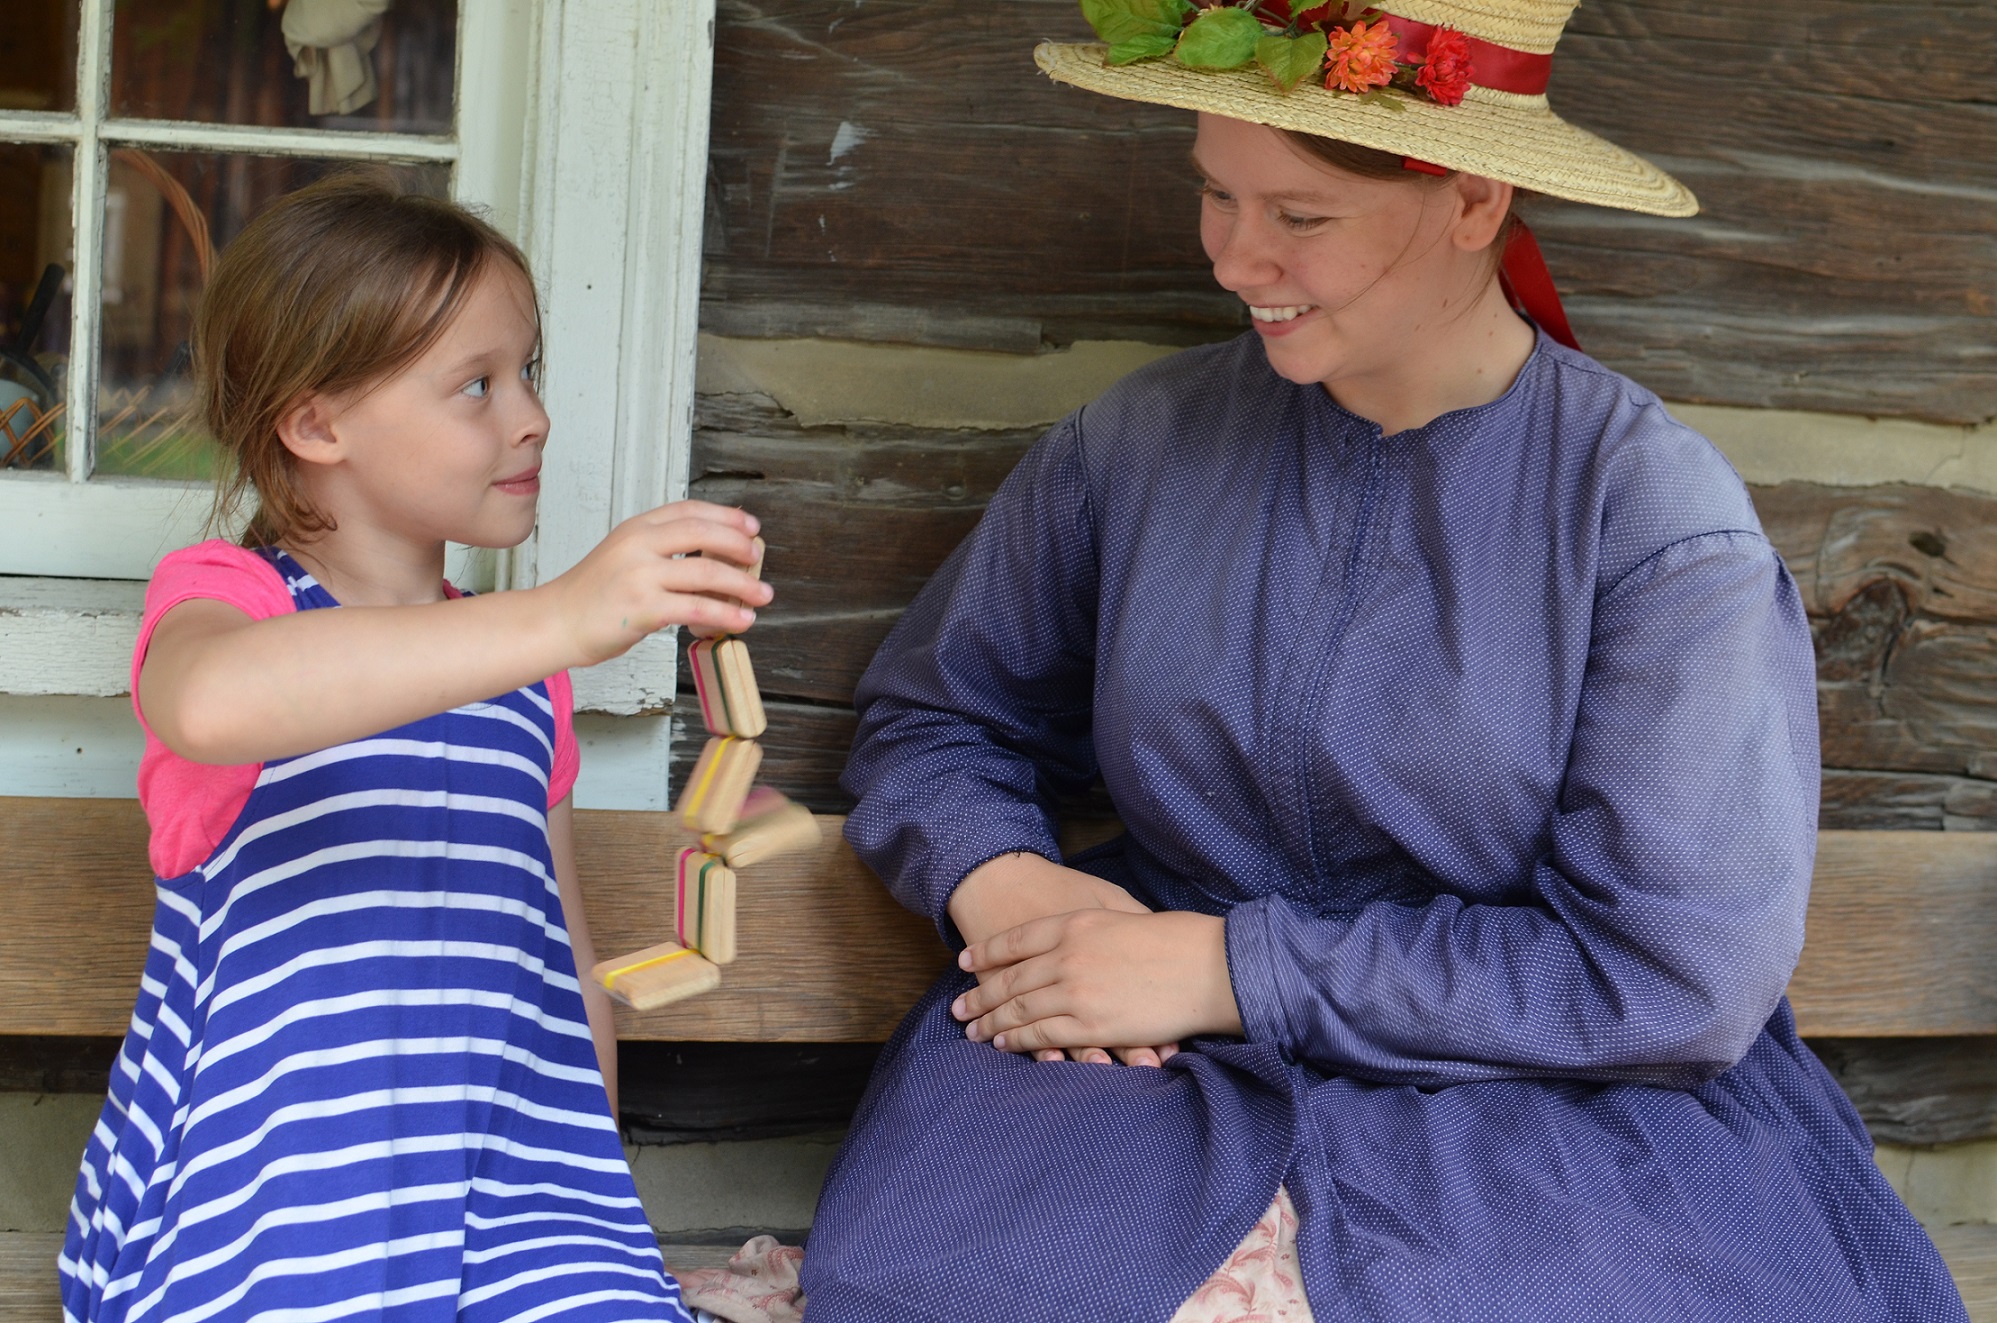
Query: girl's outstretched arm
219	687
602	1026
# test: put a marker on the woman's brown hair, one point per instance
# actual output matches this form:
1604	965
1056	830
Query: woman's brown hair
330	289
1370	164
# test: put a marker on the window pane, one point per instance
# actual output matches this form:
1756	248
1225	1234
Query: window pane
385	65
166	214
38	54
35	253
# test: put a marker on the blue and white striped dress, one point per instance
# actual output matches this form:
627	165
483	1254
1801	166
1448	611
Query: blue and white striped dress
359	1081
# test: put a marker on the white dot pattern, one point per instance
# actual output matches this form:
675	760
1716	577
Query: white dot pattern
1495	741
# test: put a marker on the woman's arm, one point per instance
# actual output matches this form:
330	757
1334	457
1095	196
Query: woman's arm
219	687
602	1023
1661	925
976	713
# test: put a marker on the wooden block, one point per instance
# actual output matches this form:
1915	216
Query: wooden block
657	976
730	703
704	905
720	781
771	826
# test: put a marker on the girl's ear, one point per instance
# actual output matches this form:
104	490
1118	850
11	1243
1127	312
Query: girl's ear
306	429
1486	203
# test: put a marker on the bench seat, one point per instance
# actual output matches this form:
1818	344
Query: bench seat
1902	931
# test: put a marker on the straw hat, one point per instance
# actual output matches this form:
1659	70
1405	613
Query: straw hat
1502	127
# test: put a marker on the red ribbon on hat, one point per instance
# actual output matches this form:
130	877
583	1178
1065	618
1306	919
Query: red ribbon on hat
1528	285
1497	67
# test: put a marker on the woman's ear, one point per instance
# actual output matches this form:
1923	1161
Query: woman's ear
1486	203
306	429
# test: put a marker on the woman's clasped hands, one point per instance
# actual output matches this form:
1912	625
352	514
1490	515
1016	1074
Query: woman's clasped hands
1071	966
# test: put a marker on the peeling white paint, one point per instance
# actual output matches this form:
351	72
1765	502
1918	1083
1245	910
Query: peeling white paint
845	139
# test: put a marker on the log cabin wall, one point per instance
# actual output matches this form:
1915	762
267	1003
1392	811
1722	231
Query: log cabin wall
920	252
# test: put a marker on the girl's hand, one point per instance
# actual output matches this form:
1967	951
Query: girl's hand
1073	980
680	564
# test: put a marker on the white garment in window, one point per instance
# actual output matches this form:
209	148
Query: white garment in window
332	46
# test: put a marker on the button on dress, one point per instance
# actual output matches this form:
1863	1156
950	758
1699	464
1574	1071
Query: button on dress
1495	743
359	1081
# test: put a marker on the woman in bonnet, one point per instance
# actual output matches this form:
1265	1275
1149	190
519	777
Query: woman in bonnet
1463	723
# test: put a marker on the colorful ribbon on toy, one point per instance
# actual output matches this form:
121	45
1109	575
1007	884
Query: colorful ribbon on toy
610	979
1499	68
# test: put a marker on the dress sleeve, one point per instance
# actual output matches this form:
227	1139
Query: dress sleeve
975	714
1666	913
191	806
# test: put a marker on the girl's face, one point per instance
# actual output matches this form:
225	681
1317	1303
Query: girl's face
1345	277
448	449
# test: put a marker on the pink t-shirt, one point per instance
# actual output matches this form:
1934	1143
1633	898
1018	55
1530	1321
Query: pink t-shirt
191	806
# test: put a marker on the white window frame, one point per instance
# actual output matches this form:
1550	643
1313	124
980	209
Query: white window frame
583	127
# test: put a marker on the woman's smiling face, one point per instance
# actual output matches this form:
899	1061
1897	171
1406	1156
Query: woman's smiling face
1345	277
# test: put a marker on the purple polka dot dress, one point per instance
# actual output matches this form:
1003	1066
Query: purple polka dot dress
1495	742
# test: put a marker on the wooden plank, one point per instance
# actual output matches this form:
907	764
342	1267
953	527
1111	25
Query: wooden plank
1901	932
1902	925
1917	1090
827	956
29	1292
1843	261
804	750
1906	801
1971	1255
857	520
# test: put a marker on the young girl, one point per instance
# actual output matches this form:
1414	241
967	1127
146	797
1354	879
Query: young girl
363	1078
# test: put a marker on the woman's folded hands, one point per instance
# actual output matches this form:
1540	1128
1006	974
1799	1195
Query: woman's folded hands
1069	965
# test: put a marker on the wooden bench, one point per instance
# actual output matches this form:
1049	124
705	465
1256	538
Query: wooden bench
1902	942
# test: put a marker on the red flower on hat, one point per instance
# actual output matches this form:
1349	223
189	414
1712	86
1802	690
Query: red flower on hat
1361	57
1445	74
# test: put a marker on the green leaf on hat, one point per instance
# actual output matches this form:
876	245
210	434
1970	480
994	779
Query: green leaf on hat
1220	39
1146	47
1290	60
1125	24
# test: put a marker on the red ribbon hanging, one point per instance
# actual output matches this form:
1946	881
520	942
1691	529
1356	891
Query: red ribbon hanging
1529	285
1497	67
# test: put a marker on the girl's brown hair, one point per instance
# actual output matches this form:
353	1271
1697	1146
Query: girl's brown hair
329	290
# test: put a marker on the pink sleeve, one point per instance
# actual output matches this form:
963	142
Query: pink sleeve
568	758
191	806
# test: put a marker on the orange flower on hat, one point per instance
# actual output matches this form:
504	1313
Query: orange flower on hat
1361	57
1445	74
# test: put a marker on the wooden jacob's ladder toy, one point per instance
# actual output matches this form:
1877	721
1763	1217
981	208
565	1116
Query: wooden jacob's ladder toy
739	825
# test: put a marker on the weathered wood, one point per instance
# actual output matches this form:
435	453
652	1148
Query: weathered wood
857	519
1918	1090
1900	920
1901	584
1971	1255
1939	546
803	751
1901	928
1906	801
827	956
1843	260
29	1292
